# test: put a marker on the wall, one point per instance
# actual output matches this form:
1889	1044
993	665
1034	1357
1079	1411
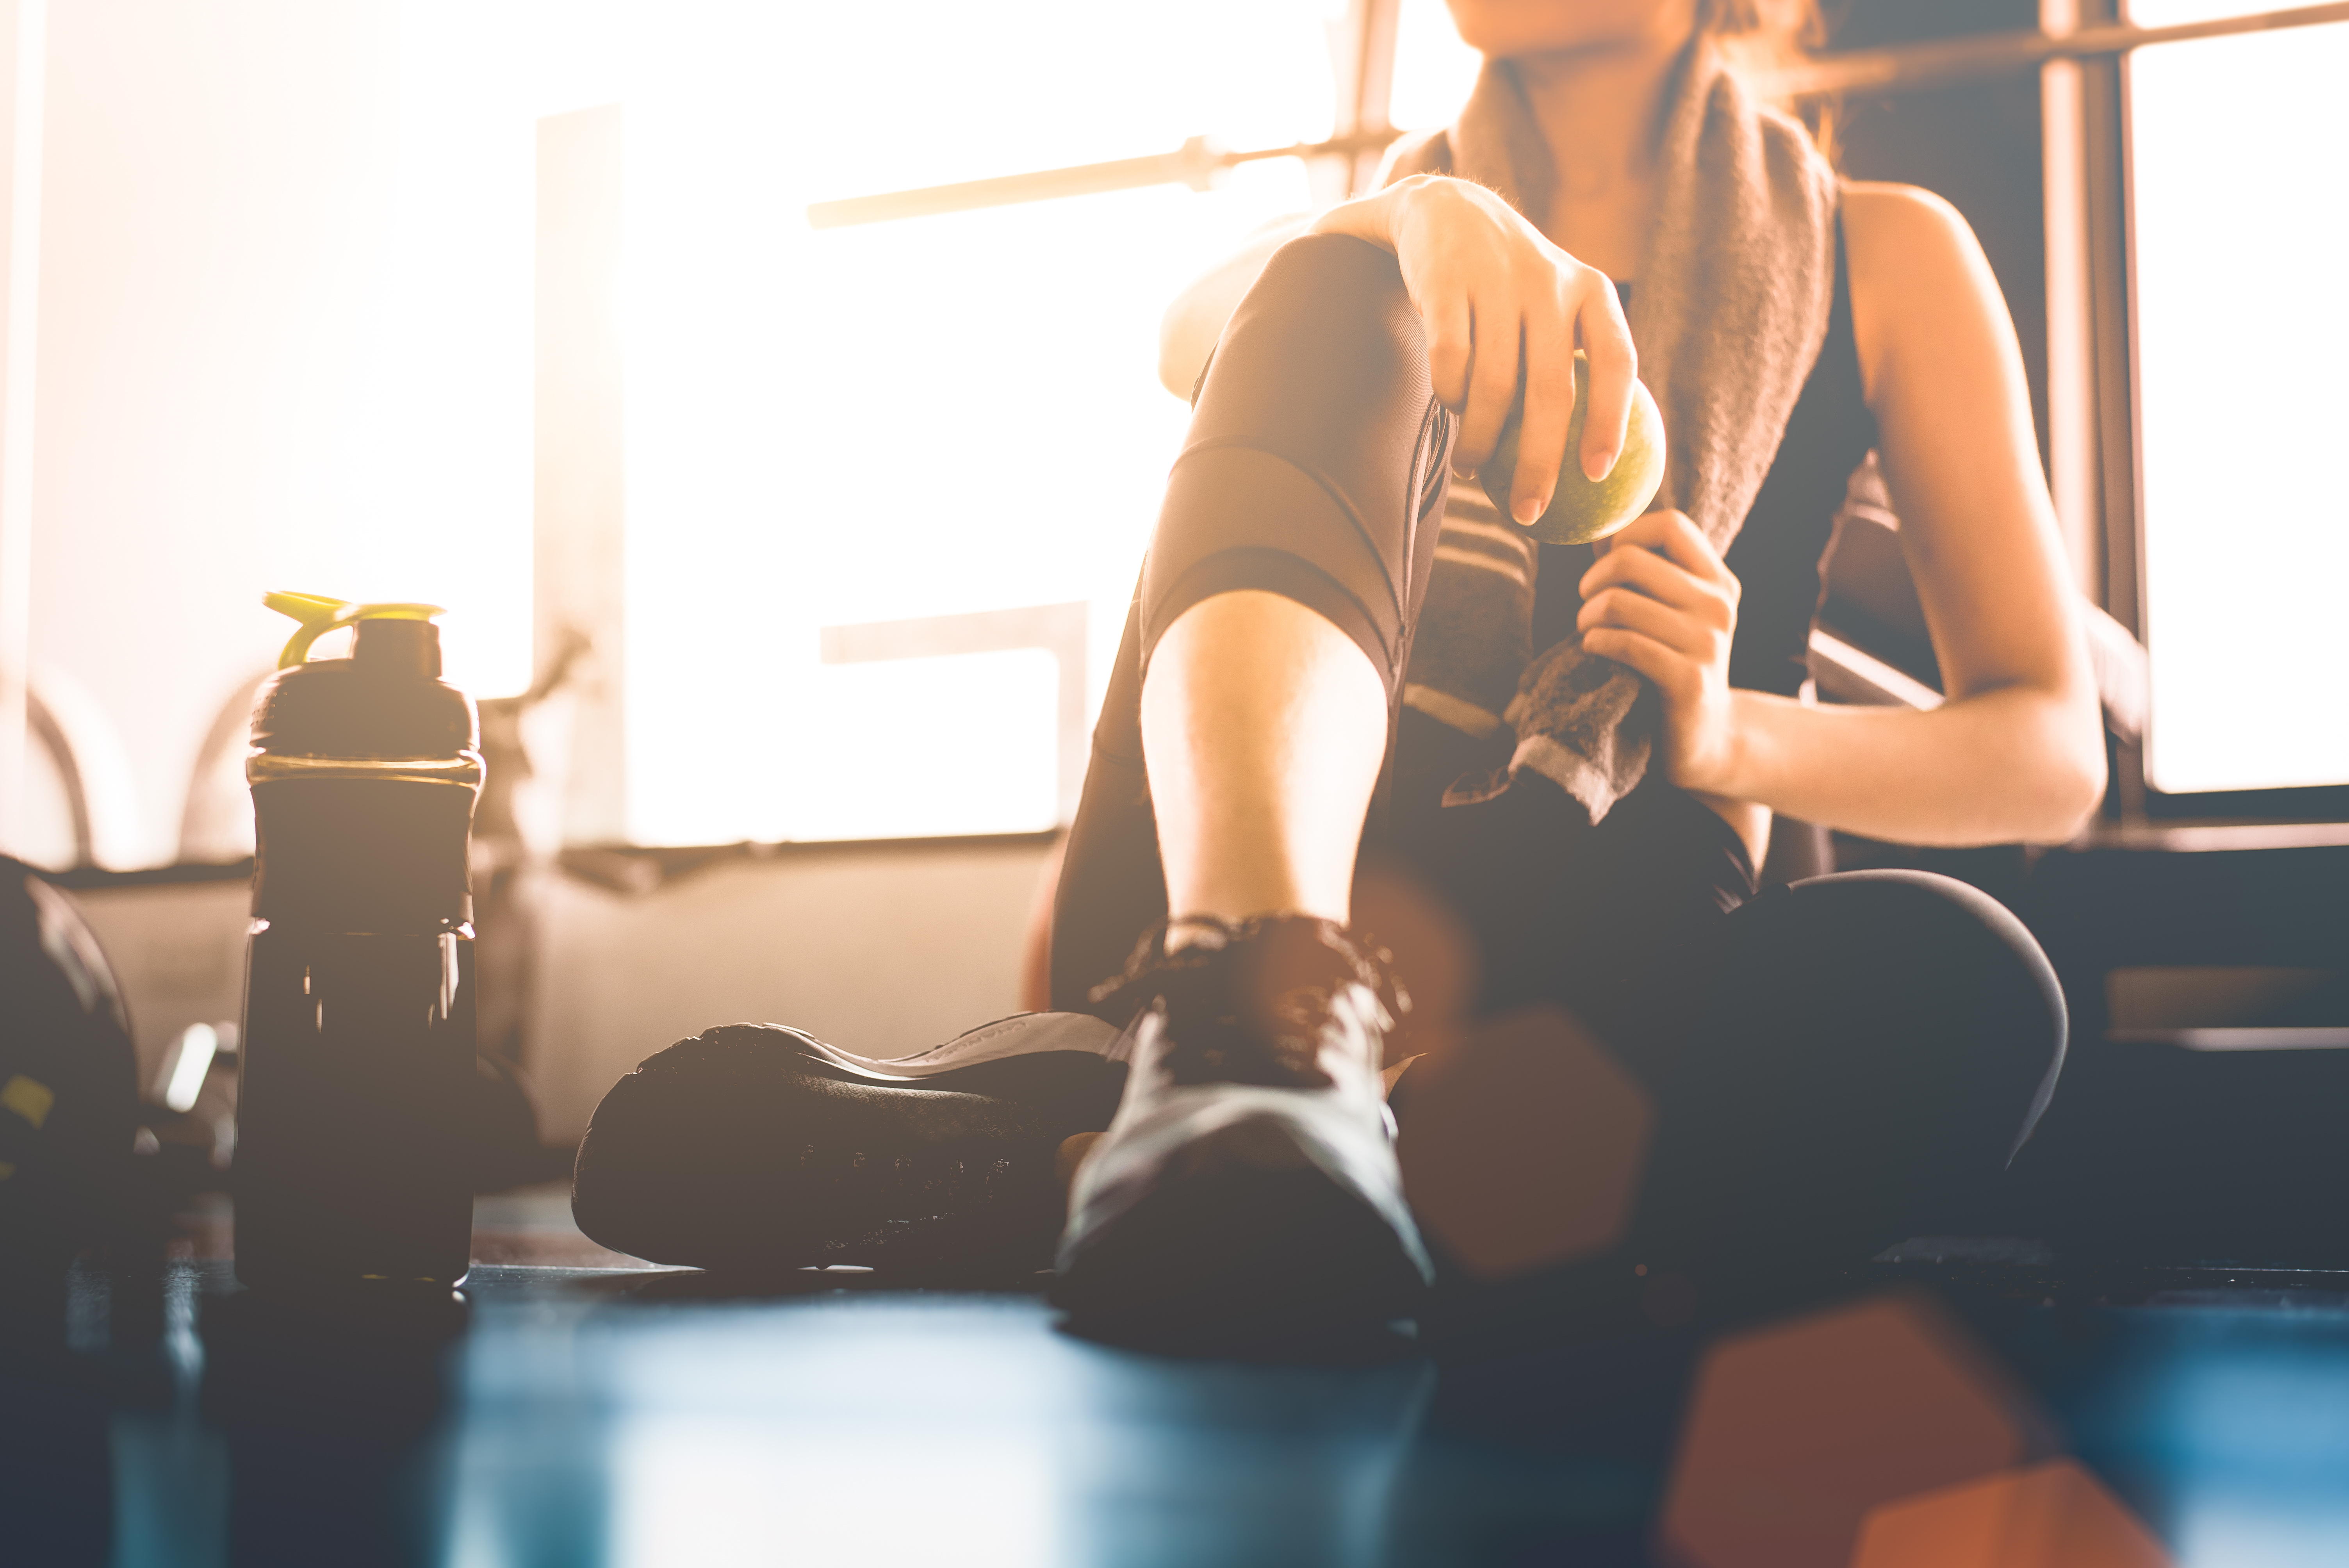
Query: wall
1977	145
881	949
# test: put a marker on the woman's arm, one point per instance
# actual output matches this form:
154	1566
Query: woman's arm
2016	752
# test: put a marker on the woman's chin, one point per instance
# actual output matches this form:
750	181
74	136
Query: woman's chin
1506	29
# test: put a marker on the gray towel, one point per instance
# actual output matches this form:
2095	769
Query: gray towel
1728	315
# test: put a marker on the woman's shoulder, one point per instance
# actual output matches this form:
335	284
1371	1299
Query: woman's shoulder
1882	211
1903	237
1911	257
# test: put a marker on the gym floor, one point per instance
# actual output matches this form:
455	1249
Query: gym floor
577	1408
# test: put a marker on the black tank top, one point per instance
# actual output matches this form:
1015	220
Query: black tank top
1777	554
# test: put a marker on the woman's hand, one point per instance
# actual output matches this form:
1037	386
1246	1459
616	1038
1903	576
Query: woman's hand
1504	307
1662	601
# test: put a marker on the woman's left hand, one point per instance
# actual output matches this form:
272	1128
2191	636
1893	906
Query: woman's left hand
1662	601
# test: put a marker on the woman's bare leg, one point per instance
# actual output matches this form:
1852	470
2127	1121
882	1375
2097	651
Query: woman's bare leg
1264	728
1313	472
1247	1191
1249	1180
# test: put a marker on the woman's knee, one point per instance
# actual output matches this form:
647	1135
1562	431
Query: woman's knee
1325	350
1897	961
1925	977
1316	453
1897	1013
1961	959
1337	284
1923	929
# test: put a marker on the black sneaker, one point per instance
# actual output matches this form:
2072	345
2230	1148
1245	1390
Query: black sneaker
753	1147
1246	1192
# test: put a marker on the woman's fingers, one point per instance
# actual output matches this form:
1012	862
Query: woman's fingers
1505	308
1678	538
1614	367
1677	629
1657	530
1548	351
1674	673
1659	578
1451	345
1498	329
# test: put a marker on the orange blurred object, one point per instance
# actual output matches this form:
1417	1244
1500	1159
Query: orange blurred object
1795	1431
1036	947
1430	952
2052	1515
1071	1154
1522	1149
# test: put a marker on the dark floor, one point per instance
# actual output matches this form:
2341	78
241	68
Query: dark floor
579	1408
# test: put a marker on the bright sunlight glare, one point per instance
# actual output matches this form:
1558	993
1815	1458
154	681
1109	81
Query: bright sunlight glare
2242	327
908	419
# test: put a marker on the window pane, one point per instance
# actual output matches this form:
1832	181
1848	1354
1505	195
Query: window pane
1434	69
2239	150
910	420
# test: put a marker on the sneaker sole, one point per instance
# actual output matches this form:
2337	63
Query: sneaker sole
754	1148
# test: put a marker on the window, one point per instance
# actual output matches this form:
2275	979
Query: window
2239	149
937	417
1432	70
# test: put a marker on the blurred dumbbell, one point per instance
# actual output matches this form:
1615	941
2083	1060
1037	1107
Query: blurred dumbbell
68	1079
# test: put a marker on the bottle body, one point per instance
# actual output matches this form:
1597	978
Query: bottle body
358	1045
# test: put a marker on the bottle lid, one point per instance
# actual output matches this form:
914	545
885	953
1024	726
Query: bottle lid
387	700
320	615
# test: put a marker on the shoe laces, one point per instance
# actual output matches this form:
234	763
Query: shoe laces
1251	1000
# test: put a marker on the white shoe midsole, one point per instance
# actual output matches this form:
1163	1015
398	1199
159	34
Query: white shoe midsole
1331	1129
1023	1034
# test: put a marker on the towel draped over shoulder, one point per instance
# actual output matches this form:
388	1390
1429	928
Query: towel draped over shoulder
1728	316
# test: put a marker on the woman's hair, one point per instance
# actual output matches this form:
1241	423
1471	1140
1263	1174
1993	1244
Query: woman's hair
1761	37
1786	29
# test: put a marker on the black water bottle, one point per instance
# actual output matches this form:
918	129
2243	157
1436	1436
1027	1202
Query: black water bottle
358	1033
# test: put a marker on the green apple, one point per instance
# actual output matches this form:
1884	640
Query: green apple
1584	510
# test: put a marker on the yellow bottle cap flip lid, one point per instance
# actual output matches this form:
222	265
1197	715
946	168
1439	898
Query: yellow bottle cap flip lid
320	615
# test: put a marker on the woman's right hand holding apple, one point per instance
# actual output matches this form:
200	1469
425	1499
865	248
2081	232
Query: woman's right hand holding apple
1503	305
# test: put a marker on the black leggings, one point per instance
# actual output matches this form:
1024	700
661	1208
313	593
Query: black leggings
1864	1051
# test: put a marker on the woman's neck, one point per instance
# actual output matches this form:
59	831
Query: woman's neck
1598	109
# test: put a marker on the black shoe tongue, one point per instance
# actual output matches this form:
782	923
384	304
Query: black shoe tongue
1249	1017
1252	1002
